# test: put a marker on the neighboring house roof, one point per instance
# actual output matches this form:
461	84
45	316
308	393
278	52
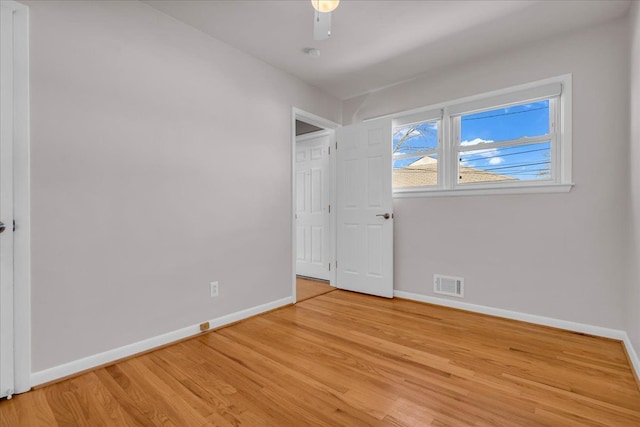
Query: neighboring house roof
424	172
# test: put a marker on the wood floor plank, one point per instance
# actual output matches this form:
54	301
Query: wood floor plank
307	288
212	410
28	409
132	400
296	381
68	404
103	407
345	359
250	383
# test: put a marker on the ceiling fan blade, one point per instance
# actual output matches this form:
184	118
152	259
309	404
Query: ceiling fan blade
321	25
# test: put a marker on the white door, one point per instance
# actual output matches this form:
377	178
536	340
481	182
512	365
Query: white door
6	203
312	206
365	208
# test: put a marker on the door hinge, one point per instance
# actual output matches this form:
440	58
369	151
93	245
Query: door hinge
329	266
336	145
329	208
336	264
329	150
14	225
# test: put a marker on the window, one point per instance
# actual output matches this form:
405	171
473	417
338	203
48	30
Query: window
507	144
415	155
514	140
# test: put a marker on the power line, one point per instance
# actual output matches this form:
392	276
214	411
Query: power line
502	155
504	114
527	172
514	166
477	169
467	172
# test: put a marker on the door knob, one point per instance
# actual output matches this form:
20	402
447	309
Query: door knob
385	215
2	226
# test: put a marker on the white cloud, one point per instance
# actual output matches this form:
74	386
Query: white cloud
490	153
476	141
478	153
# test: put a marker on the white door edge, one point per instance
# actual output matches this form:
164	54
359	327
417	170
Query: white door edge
7	383
21	202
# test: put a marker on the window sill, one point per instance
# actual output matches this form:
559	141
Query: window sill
480	191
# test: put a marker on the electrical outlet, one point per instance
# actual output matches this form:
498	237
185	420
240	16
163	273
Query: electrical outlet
214	289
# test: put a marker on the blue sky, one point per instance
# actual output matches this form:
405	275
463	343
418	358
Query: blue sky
523	162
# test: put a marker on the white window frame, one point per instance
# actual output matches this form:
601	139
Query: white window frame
556	89
552	136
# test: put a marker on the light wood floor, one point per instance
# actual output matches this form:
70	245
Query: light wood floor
309	288
344	359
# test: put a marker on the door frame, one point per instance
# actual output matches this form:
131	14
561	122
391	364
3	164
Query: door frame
298	114
22	197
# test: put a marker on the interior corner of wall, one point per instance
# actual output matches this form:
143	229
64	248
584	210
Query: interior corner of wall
351	109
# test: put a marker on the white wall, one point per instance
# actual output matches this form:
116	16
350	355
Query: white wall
556	255
633	296
160	162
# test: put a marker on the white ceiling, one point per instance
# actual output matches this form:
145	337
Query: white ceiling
375	44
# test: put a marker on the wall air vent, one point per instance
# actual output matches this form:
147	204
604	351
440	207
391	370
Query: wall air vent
448	285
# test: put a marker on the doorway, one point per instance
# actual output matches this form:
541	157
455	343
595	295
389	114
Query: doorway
313	205
360	207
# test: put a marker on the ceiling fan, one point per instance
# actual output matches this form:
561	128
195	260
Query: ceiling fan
322	18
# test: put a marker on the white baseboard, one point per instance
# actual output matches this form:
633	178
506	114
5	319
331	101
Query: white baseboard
633	356
109	356
532	318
